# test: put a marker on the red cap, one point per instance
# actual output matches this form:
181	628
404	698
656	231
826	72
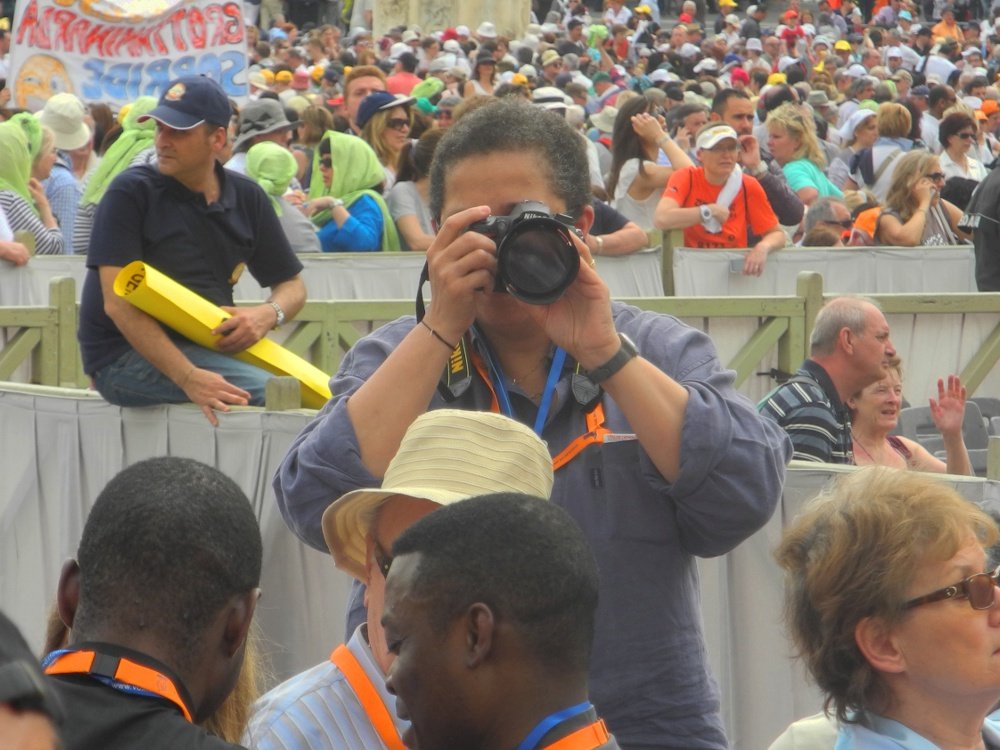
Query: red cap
790	14
738	74
449	34
685	18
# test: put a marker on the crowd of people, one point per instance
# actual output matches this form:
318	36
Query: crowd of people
830	103
482	615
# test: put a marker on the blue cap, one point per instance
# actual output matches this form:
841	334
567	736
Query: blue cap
190	101
378	101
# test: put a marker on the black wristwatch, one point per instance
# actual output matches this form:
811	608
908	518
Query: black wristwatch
625	352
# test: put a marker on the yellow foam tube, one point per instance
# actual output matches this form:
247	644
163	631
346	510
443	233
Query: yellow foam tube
194	317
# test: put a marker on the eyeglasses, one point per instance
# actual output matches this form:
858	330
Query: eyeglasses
965	136
444	113
978	589
382	559
843	223
397	123
326	162
936	176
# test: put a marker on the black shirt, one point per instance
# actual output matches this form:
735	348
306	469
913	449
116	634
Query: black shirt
606	219
148	216
99	717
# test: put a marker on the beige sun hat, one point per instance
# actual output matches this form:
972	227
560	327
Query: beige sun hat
445	456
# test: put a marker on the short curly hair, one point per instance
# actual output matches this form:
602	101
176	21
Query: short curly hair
852	554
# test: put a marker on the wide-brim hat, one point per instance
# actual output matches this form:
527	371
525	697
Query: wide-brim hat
605	119
63	114
446	456
261	117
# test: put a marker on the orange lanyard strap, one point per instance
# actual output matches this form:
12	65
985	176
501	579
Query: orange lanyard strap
595	421
595	434
586	738
369	697
480	366
127	673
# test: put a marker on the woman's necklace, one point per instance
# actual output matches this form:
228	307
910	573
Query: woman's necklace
861	445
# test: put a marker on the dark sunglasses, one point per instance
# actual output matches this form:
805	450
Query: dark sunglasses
441	113
383	559
326	162
397	123
965	136
936	176
843	223
979	589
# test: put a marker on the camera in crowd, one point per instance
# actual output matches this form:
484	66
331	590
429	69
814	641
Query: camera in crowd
536	257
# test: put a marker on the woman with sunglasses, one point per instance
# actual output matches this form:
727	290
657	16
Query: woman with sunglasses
345	201
890	601
914	214
875	413
385	123
957	133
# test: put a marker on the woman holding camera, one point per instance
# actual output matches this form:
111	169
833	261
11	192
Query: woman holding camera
914	213
656	455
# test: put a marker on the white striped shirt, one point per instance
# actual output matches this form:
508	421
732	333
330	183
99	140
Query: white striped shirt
317	709
22	217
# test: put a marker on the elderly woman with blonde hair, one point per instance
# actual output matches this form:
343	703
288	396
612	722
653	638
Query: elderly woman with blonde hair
890	600
793	143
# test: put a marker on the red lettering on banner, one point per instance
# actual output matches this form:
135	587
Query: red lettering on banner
63	20
63	29
233	23
196	28
175	21
28	22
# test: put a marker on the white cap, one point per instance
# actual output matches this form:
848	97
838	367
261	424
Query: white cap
688	50
894	52
707	65
710	137
786	62
754	45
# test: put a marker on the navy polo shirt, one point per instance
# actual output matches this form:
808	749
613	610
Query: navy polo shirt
148	216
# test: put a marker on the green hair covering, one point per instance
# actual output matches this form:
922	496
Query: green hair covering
273	167
135	138
32	128
356	170
15	166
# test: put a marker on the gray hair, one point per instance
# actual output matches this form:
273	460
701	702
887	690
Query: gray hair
841	312
513	126
821	211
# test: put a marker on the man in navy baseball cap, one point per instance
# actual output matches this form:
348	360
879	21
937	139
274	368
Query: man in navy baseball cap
191	101
201	225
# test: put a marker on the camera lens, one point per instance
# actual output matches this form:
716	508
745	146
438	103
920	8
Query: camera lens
538	261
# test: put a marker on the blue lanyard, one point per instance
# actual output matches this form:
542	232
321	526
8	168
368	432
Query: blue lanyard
500	387
545	725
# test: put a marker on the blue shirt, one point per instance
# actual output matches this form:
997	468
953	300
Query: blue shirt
649	675
362	232
63	193
319	710
802	173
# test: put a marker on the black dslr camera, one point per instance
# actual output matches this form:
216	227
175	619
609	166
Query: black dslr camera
536	257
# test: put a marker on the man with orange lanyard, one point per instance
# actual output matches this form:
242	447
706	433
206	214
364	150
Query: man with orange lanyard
158	602
446	456
489	609
657	457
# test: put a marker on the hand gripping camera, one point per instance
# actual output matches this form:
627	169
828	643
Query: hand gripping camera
536	257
